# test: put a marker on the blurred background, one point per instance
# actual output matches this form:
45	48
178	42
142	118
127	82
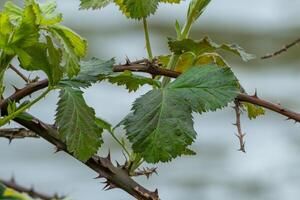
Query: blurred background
270	169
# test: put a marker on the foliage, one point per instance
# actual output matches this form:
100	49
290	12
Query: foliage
160	126
10	194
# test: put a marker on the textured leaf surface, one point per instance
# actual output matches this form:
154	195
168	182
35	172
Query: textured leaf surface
94	4
76	124
206	45
196	8
132	82
10	194
75	47
135	9
253	110
90	72
161	125
97	70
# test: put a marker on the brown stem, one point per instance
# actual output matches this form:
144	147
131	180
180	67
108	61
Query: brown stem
116	177
241	97
26	91
271	106
17	133
19	73
280	51
30	191
239	134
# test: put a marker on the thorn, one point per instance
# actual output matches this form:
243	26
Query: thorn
13	180
10	139
108	156
99	176
118	164
128	62
255	94
15	88
57	149
108	186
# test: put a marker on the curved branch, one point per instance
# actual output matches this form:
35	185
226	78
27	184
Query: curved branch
154	70
116	177
284	49
17	133
30	191
26	91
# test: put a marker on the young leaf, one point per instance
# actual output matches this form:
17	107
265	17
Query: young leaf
76	124
27	34
131	81
14	11
161	125
196	8
75	47
140	8
90	72
36	58
6	29
97	70
94	4
206	45
253	110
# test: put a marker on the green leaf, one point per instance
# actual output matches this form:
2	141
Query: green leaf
206	45
6	28
27	34
75	47
139	9
90	72
161	125
98	70
10	194
253	110
210	58
36	58
101	123
76	124
136	9
14	11
54	58
131	81
196	8
94	4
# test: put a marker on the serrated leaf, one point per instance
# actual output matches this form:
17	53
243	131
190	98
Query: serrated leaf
206	45
76	124
210	58
131	81
10	194
36	58
90	72
196	8
161	125
253	110
6	29
75	47
189	59
101	123
14	11
54	59
138	9
27	34
96	70
94	4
